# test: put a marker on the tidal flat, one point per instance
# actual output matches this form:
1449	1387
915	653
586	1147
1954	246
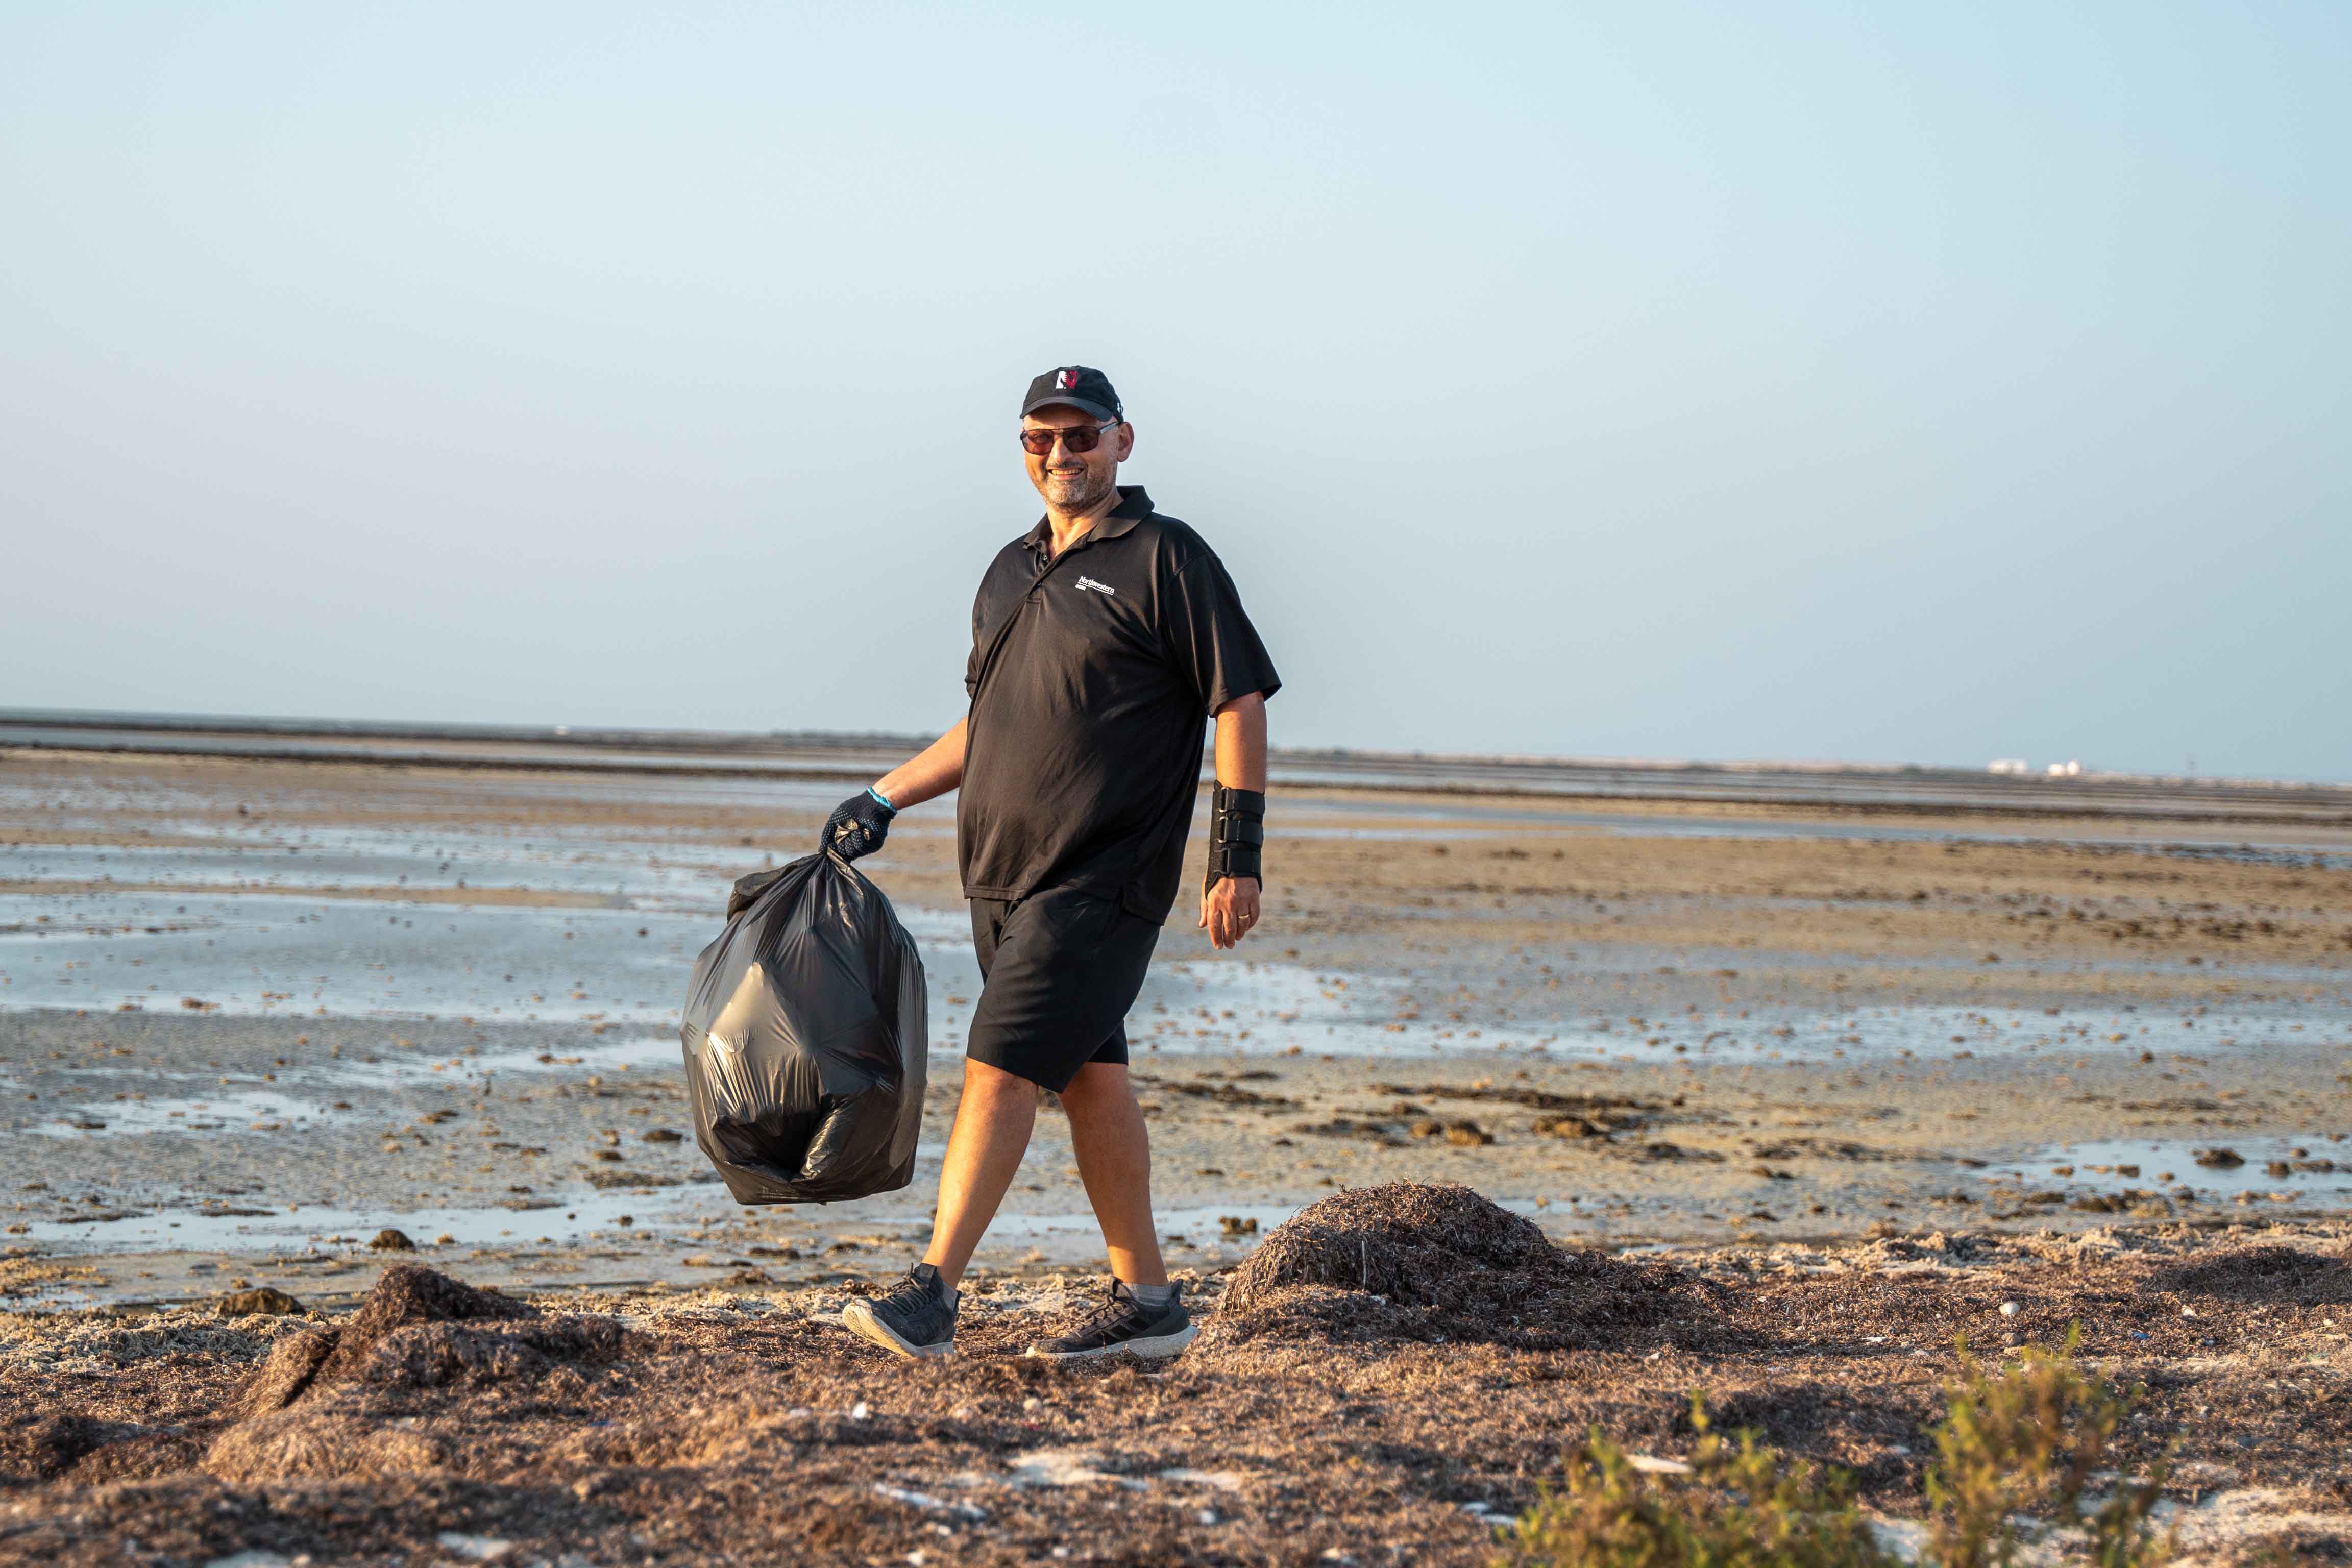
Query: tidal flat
257	1012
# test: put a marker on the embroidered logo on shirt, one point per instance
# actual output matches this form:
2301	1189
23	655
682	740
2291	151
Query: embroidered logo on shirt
1086	583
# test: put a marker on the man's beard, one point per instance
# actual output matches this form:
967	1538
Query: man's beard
1078	492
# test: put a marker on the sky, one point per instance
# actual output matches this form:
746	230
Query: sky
1869	383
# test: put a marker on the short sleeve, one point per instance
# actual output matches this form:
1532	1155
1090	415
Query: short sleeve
1210	637
972	664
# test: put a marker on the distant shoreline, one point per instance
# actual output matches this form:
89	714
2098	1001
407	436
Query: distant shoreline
1877	788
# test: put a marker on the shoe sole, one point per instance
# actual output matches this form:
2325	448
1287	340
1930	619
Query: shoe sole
859	1319
1150	1348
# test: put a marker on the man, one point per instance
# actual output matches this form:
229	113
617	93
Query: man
1102	640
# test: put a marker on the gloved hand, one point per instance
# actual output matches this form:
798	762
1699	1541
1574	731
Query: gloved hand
857	824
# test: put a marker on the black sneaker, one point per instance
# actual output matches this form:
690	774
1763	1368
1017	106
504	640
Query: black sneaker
1122	1326
914	1318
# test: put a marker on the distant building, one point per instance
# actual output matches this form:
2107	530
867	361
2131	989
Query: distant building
2014	766
2065	770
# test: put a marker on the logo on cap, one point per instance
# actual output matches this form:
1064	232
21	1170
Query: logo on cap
1066	380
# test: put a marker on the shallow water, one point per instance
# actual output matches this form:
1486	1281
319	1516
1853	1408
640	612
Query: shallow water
281	955
285	953
1445	824
629	873
573	1216
569	1217
230	1111
2317	1167
245	925
579	1215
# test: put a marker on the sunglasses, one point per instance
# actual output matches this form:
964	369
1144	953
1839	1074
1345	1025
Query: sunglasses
1076	438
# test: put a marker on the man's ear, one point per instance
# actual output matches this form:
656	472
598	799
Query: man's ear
1126	441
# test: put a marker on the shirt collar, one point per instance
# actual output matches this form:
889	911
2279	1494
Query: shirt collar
1134	506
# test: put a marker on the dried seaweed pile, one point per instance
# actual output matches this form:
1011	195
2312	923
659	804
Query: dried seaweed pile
303	1410
1411	1261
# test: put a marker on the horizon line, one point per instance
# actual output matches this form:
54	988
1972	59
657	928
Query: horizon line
633	735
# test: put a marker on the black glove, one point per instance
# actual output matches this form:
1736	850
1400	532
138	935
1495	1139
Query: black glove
857	826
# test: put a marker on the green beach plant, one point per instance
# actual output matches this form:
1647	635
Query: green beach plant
1738	1505
2026	1439
2017	1452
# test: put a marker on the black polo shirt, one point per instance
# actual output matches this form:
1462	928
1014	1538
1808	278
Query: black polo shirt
1092	676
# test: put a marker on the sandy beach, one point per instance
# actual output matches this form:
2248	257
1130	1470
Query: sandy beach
254	1014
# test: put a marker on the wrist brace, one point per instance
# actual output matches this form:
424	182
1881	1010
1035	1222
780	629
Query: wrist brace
1236	833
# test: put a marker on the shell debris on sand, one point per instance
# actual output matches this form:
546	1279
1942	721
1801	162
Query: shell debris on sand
730	1428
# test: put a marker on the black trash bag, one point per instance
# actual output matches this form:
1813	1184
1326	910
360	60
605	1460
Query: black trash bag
806	1032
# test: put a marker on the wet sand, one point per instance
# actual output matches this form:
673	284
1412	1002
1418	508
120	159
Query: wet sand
1807	1027
363	997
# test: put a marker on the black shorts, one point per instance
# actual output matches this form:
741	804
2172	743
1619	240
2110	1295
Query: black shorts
1058	971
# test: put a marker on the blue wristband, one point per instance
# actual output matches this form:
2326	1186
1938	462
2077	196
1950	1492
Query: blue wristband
882	800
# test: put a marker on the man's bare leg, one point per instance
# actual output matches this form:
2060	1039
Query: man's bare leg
1114	1150
993	1123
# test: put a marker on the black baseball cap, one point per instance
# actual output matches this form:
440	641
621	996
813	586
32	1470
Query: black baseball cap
1082	388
